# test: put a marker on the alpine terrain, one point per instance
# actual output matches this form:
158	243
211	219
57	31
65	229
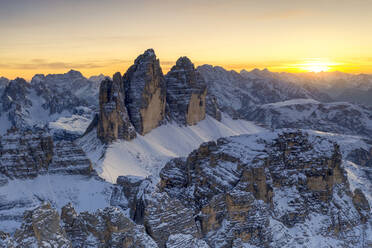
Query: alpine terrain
198	156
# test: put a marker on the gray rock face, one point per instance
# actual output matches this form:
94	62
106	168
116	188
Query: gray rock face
251	190
212	107
161	215
125	196
113	120
69	159
104	228
41	227
15	102
164	216
145	90
363	158
186	93
185	241
3	82
6	240
26	154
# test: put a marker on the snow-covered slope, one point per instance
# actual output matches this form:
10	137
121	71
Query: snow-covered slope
340	86
146	155
66	103
86	194
336	117
236	93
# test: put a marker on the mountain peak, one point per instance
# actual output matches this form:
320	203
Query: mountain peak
74	73
184	62
148	55
150	52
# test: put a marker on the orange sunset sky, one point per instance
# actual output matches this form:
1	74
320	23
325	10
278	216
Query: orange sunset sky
51	36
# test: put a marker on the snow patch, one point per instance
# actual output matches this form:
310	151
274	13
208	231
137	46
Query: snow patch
146	155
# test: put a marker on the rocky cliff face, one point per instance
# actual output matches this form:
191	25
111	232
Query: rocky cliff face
29	153
41	227
186	93
15	102
34	168
165	219
25	154
105	228
145	92
244	190
285	188
44	227
113	122
140	101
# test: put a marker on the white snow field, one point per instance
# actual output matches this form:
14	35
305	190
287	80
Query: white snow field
18	195
146	155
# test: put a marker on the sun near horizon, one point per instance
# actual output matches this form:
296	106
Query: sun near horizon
97	37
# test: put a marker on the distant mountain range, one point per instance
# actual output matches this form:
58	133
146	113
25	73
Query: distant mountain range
338	85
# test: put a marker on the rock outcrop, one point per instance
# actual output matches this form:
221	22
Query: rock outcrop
29	153
212	107
273	189
104	228
161	215
186	93
185	241
41	227
25	154
143	98
113	121
15	102
255	190
145	92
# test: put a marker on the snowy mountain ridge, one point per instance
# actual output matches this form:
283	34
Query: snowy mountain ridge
199	157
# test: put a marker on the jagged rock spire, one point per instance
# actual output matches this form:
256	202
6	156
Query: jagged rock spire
137	101
113	121
186	93
145	92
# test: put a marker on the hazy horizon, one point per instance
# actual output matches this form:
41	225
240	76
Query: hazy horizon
94	37
169	66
